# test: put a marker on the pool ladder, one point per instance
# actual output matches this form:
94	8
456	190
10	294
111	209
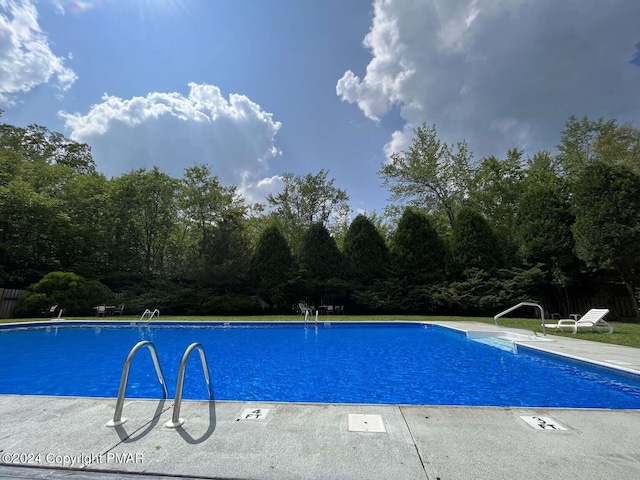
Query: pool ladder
306	317
175	421
148	314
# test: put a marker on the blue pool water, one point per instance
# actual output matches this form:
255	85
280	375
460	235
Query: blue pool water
340	363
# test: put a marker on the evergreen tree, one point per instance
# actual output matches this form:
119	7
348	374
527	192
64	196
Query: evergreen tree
365	251
417	251
271	264
473	242
320	258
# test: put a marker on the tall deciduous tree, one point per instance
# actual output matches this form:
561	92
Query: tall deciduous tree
143	215
84	242
39	170
365	252
544	219
38	144
418	253
620	146
211	224
495	193
30	221
431	175
606	203
586	141
306	200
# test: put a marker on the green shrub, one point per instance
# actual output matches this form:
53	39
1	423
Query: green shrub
67	290
31	304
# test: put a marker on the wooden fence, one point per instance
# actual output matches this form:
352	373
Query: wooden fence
8	299
613	296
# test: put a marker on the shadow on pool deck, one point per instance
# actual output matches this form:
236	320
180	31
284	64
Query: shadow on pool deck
313	441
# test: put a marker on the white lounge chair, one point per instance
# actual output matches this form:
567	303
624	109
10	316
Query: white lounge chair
303	309
592	320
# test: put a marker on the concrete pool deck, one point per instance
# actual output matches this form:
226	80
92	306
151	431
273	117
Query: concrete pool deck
314	441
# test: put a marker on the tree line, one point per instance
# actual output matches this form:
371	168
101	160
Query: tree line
458	236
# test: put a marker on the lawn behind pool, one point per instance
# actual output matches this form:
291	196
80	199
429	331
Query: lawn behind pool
623	333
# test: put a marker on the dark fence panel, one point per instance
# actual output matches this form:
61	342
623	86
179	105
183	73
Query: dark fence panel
8	299
613	296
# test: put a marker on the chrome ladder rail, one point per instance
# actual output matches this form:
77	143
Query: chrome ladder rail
306	318
523	304
117	416
176	421
149	314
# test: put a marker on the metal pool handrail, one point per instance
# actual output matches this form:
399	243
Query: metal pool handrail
117	416
150	314
306	317
176	421
523	304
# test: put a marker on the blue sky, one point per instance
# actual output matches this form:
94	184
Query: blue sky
259	88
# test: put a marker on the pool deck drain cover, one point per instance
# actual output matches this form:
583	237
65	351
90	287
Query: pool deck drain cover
366	423
542	423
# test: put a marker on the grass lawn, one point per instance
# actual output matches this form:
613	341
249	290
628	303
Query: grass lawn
623	333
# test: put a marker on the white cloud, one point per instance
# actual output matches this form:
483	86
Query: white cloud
59	9
256	190
498	73
235	136
26	59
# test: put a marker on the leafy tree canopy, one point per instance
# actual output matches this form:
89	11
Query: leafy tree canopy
38	144
544	219
431	174
585	141
306	200
495	193
607	226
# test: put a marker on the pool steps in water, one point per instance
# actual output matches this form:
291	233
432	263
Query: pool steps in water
503	340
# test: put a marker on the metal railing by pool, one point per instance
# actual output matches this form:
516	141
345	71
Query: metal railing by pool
117	416
523	304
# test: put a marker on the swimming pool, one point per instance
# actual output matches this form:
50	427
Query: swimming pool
397	363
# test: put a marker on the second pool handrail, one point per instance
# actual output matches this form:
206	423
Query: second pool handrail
176	421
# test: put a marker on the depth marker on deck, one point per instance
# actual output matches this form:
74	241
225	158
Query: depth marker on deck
253	414
542	423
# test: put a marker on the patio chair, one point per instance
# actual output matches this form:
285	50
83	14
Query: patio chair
49	312
592	320
304	309
118	310
100	310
